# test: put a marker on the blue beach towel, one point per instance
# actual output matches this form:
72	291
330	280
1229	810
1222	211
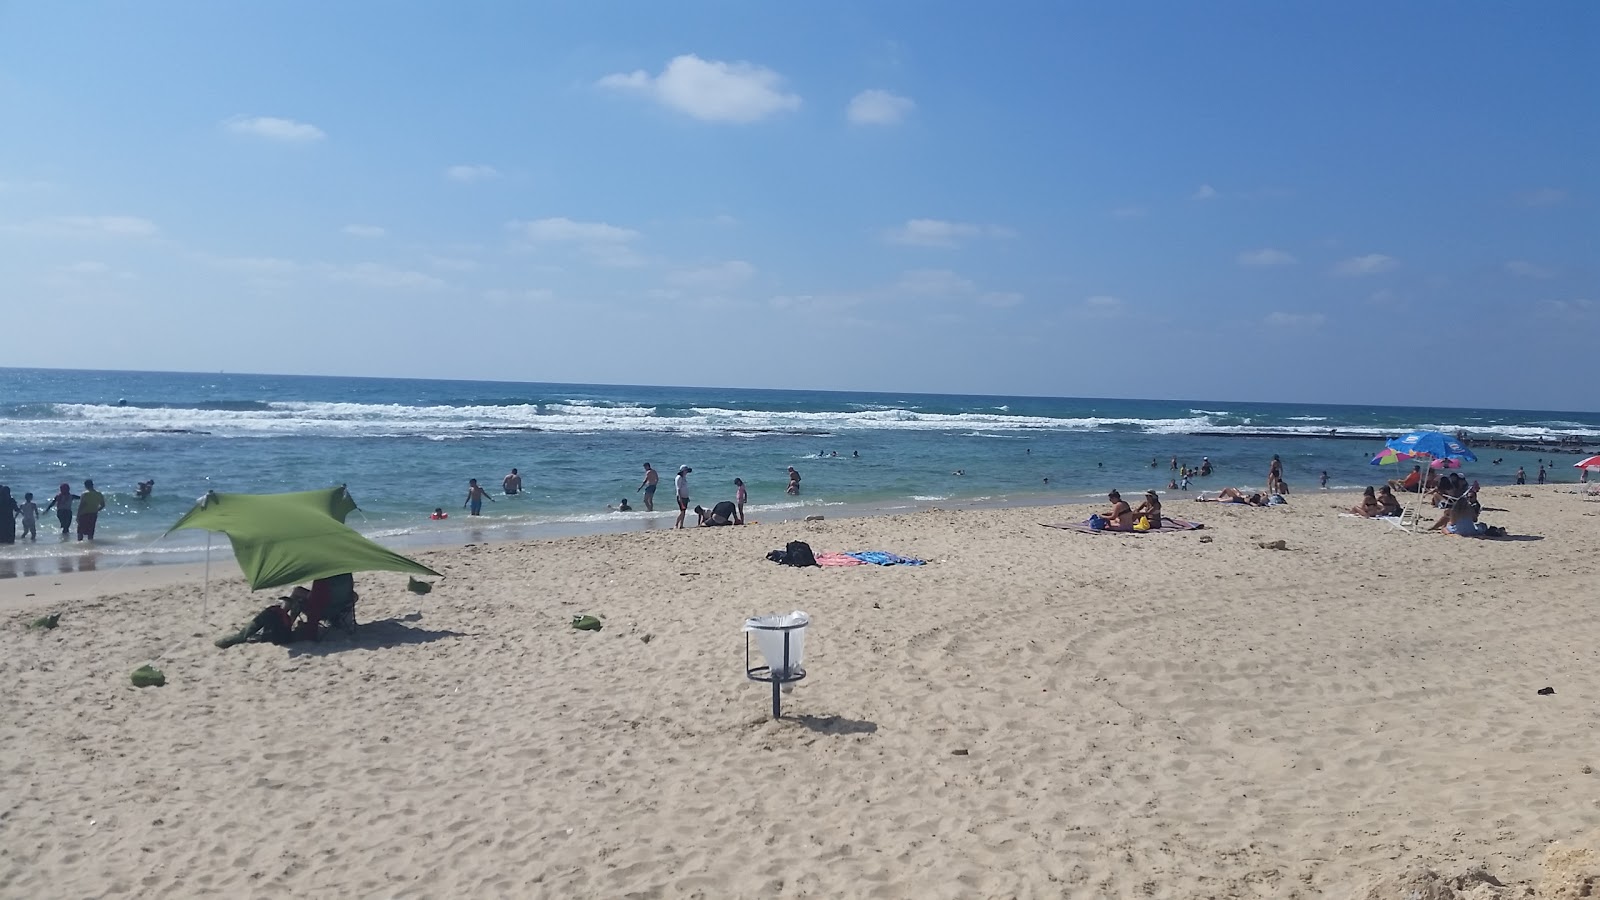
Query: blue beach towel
880	558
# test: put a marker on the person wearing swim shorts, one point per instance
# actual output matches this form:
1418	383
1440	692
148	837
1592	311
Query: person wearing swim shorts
475	495
648	485
680	485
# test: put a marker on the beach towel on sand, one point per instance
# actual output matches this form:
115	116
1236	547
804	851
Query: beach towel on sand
880	558
838	559
1168	524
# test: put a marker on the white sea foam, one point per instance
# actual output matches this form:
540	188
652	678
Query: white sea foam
77	421
1308	418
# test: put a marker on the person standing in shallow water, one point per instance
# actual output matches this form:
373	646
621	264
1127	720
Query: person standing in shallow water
8	516
90	503
512	484
475	495
648	485
62	503
680	485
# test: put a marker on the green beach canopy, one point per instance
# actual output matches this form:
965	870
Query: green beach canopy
284	539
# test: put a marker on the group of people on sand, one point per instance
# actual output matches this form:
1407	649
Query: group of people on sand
1123	517
26	513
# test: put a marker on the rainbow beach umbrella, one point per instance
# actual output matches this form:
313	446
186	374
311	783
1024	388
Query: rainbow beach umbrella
1390	456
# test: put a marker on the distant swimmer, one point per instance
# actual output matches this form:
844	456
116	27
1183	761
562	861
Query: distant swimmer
648	485
475	495
145	488
794	482
439	513
1324	479
1154	463
512	484
622	506
834	454
856	454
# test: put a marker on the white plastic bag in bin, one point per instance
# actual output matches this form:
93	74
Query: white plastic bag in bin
771	641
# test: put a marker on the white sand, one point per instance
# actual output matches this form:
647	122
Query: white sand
1144	716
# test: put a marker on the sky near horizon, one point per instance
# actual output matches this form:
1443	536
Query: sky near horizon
1343	203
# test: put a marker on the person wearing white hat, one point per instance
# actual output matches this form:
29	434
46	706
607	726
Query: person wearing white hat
680	484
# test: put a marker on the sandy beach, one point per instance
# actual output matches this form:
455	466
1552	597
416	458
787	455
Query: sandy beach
1034	713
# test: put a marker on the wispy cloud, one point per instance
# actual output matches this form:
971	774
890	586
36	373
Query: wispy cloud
377	275
933	282
256	265
275	129
364	231
1370	264
1529	270
605	244
1204	192
1266	256
1575	310
1304	321
879	107
940	233
720	277
1540	197
710	90
1103	305
1000	299
452	263
561	229
88	227
471	174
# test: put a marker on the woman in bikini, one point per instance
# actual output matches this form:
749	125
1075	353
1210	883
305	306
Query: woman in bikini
1369	506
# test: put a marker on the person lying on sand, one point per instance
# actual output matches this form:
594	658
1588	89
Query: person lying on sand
1234	495
1369	505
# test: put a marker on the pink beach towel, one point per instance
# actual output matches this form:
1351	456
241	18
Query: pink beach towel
838	559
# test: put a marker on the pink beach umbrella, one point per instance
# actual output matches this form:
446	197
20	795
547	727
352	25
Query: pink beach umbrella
1445	463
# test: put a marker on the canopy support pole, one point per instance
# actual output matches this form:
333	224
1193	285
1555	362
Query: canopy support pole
205	592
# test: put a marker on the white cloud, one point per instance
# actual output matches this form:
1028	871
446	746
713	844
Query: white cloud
88	227
1542	197
939	233
1295	320
1204	192
711	90
471	174
1129	212
87	267
364	231
1529	270
1576	310
1001	299
933	282
1371	264
519	295
272	128
375	275
878	107
1266	256
16	186
562	228
256	265
452	263
720	277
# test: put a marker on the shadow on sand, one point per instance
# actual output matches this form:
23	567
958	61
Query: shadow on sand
376	635
835	724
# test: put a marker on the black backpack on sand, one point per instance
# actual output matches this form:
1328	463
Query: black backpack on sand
798	553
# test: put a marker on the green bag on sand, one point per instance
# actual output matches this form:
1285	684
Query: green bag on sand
586	623
45	623
147	676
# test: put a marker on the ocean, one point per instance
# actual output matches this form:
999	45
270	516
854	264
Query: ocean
407	446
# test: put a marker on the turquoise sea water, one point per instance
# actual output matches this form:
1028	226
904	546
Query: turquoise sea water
407	446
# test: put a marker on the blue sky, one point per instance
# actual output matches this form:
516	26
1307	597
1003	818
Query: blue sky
1366	203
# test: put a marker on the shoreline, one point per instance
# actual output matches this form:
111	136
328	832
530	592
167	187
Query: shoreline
143	570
